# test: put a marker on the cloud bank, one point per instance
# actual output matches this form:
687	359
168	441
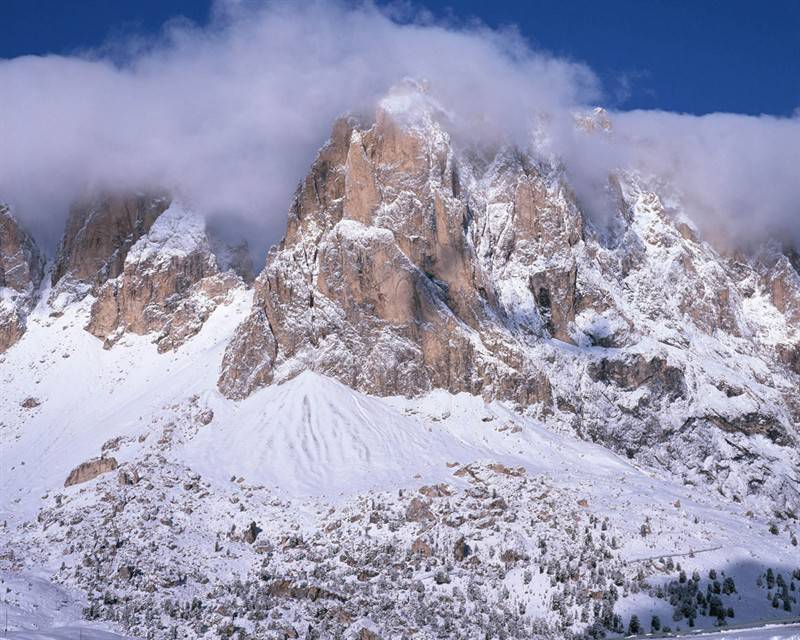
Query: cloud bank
230	115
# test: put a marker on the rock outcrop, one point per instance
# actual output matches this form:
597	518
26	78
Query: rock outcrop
168	286
21	271
376	283
89	470
100	231
409	264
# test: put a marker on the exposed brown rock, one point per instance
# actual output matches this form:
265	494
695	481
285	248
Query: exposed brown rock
287	589
461	549
783	281
634	370
21	265
418	511
436	491
789	354
169	285
361	193
139	301
249	358
21	270
100	230
421	547
251	533
511	556
753	423
128	477
89	470
507	471
12	327
373	283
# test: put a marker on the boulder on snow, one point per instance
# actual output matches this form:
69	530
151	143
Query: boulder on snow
89	470
128	477
251	533
461	549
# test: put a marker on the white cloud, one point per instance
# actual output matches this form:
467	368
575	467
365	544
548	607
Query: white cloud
231	115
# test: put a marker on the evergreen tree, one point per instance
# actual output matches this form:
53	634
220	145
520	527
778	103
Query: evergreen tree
633	626
655	624
728	586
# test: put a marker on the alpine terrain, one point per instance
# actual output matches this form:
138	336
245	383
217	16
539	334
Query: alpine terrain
452	404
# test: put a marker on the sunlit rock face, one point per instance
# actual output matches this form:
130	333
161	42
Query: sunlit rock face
169	285
21	271
411	264
149	262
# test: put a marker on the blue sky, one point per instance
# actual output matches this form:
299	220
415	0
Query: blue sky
694	56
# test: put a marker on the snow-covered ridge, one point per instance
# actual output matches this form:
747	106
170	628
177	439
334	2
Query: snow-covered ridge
178	232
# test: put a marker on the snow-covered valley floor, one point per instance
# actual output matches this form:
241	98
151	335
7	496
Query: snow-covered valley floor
312	506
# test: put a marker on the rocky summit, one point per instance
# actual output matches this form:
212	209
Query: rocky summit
410	265
454	403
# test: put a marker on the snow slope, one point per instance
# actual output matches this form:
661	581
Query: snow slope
305	455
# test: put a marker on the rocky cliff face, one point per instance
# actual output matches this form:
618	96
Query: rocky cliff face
100	231
169	284
409	264
21	269
148	261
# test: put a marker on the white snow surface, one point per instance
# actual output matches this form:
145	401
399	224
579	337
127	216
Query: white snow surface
312	441
177	232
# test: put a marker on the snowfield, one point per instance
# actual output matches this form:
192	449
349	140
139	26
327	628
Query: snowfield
338	485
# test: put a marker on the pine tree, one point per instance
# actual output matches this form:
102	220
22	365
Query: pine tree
633	626
728	586
770	578
655	624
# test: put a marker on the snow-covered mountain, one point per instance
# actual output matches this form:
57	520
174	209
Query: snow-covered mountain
451	405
